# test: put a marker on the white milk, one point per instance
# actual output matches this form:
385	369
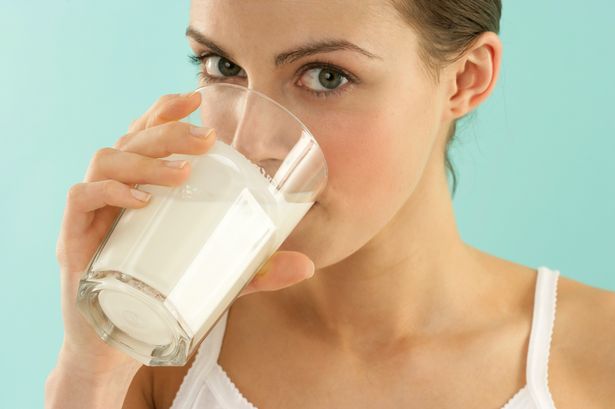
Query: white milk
196	244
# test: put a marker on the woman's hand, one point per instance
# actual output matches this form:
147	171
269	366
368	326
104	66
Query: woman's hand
93	204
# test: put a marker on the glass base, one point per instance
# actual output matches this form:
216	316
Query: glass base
132	316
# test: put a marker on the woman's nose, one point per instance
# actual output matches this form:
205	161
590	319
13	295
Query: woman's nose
265	132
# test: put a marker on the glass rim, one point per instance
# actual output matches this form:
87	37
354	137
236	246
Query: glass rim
278	105
246	89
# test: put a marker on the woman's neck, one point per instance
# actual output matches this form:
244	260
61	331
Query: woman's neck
415	278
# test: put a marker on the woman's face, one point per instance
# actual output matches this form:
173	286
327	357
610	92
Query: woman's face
376	117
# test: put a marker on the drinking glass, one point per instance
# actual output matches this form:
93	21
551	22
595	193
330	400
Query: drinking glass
164	274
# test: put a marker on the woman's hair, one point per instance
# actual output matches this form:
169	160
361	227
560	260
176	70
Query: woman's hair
446	29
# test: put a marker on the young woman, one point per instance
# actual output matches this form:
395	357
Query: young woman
396	311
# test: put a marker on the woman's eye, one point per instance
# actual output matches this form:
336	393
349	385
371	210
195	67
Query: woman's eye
219	67
323	79
318	78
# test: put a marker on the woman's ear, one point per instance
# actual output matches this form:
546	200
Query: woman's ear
474	76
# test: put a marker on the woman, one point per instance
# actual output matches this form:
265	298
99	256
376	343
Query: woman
396	310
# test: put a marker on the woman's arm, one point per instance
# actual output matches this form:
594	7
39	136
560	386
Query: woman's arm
73	385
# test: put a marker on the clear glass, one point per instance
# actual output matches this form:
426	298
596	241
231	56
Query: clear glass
164	274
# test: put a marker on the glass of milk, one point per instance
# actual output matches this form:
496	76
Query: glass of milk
165	273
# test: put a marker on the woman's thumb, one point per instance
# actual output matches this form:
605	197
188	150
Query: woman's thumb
283	269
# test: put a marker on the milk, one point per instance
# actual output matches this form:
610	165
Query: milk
196	244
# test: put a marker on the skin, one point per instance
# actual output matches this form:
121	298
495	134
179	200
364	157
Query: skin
400	312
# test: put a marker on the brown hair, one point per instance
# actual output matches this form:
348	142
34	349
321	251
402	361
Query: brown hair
447	29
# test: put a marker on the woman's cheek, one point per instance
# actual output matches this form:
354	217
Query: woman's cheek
363	159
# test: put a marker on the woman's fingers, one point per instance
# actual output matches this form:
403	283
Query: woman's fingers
162	140
131	168
140	123
283	269
174	109
84	198
170	107
135	158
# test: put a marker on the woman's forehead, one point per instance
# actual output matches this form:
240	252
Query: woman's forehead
277	15
284	24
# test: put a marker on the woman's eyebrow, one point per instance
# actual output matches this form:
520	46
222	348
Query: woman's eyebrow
286	57
320	46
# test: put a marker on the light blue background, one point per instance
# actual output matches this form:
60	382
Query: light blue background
535	162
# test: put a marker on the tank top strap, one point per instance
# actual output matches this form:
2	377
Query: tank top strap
545	299
206	357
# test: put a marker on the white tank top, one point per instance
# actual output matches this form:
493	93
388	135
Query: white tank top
207	386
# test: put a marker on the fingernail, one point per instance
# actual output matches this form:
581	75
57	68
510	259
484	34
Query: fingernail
201	132
175	163
310	275
188	94
140	195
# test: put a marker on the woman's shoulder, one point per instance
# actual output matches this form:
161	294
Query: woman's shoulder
583	346
583	308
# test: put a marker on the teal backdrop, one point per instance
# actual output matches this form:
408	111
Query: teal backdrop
535	162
